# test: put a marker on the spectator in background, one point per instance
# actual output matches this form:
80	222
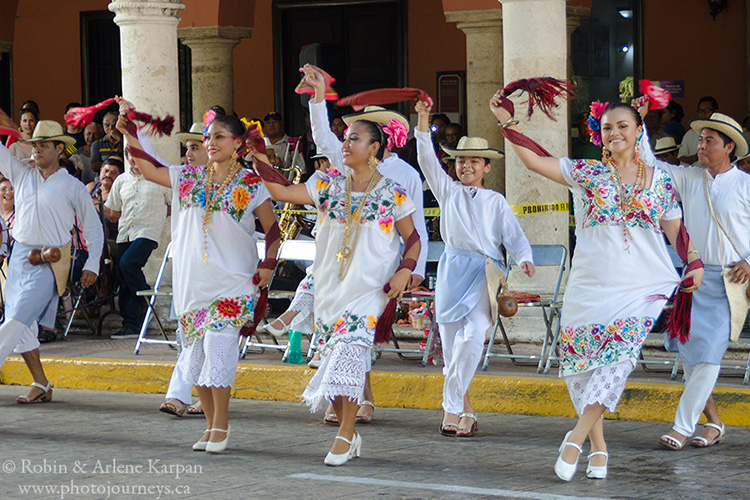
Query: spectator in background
73	131
653	123
743	163
688	153
666	150
438	124
7	204
453	133
110	144
82	156
19	149
338	127
99	190
671	120
273	128
139	207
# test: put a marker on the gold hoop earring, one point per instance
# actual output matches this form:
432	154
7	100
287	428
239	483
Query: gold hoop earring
373	163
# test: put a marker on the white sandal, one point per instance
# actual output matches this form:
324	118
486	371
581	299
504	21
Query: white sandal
273	331
44	397
701	442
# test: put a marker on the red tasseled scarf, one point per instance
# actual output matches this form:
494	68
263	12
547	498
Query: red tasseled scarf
678	322
382	96
543	92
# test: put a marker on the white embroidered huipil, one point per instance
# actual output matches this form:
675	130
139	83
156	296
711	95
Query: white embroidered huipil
392	167
219	292
461	278
611	297
730	196
347	311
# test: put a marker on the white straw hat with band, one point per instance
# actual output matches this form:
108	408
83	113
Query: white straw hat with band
474	146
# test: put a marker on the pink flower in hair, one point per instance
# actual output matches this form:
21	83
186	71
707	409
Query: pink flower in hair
208	117
397	134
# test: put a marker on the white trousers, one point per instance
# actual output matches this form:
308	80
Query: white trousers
463	342
699	384
180	385
17	337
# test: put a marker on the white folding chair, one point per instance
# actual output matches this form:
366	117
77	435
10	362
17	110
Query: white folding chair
291	251
552	256
153	294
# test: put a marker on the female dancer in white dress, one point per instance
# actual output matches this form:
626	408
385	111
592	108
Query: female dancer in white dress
620	275
214	260
357	243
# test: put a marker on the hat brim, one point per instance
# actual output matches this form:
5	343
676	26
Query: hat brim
741	146
381	116
667	150
183	137
490	154
65	139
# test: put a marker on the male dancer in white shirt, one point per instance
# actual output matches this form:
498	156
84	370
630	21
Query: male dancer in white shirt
47	201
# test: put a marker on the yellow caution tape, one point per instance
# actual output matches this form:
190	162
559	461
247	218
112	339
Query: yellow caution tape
539	208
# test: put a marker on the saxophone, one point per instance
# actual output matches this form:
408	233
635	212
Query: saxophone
291	224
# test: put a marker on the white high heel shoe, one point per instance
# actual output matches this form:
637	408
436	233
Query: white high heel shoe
275	332
597	471
219	446
563	469
355	447
201	445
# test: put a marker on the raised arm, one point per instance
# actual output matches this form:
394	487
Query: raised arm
436	176
324	138
545	166
159	175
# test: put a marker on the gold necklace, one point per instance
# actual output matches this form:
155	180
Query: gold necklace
626	204
234	168
351	228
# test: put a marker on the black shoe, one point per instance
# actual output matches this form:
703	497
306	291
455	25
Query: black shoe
124	334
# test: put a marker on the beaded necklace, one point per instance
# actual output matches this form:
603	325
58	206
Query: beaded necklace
351	229
628	202
234	168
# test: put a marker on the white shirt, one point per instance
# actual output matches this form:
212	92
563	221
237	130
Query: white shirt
730	196
392	167
143	206
494	219
61	197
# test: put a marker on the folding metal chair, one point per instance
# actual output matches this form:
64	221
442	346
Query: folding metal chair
434	251
552	256
153	294
290	251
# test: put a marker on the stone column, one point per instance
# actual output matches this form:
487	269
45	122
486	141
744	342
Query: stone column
535	44
484	75
747	54
211	50
150	80
148	52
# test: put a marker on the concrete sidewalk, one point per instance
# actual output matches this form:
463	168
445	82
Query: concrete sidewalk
111	445
85	362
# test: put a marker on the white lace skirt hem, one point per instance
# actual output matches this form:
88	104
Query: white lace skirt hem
211	360
303	321
341	373
603	385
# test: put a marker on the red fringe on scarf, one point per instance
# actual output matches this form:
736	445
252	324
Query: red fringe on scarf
544	92
80	117
678	322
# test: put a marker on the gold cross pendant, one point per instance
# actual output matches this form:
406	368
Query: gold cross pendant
205	258
343	254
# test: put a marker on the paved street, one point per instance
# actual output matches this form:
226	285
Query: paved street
99	445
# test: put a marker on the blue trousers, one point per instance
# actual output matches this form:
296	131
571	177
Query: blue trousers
132	257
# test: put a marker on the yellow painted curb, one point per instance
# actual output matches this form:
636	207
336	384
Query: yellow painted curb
544	396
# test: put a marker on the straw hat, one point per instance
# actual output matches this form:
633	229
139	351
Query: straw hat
50	130
474	146
727	126
665	145
194	134
376	114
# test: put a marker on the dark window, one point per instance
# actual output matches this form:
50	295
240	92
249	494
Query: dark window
6	83
101	77
184	64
